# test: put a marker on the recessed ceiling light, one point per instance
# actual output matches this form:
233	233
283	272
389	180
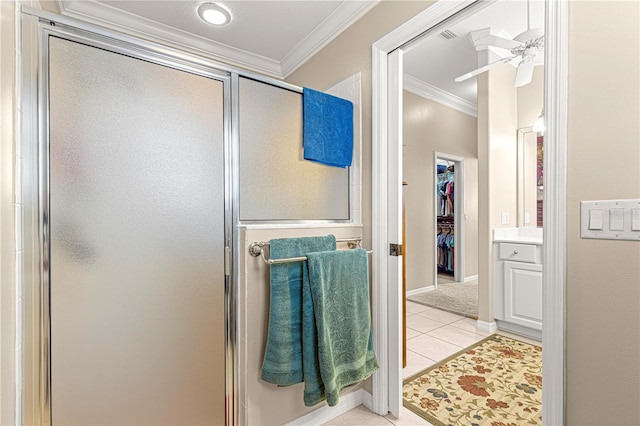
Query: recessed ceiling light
214	13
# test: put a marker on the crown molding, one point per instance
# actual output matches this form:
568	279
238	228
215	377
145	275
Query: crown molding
119	20
122	21
331	27
428	91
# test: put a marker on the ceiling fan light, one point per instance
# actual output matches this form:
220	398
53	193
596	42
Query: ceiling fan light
214	13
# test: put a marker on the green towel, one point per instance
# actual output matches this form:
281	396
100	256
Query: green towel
282	363
338	282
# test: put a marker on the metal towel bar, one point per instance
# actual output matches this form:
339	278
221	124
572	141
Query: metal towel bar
257	249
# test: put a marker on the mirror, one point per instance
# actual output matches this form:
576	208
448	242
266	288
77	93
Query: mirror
530	177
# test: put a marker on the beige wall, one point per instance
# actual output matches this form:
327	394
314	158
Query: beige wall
603	277
430	127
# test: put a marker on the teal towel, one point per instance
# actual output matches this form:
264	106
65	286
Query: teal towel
338	282
282	364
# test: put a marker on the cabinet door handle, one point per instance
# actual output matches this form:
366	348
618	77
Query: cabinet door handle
515	252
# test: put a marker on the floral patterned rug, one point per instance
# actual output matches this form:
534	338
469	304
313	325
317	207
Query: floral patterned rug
496	382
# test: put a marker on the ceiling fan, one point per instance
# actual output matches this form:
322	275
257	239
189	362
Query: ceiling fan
526	47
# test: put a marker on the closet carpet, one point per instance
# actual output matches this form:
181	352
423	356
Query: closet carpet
458	298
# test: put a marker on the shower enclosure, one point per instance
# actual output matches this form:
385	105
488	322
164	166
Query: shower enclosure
140	164
127	227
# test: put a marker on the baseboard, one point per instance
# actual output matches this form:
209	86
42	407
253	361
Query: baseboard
420	290
520	330
326	414
491	327
367	400
470	278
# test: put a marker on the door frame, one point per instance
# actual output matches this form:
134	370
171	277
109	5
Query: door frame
458	217
386	389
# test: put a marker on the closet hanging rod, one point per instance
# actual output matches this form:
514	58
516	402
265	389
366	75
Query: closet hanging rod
257	249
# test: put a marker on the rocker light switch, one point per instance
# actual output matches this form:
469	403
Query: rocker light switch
616	219
635	219
595	219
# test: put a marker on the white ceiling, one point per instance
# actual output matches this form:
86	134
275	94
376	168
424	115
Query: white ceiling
276	37
435	61
270	37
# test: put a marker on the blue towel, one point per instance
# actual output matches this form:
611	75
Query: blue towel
328	128
338	283
282	364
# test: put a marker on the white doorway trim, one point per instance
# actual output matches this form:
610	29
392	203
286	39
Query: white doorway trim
387	316
458	216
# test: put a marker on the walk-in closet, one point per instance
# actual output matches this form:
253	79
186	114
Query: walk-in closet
445	205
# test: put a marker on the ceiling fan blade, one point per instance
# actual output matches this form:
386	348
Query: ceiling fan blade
480	70
501	42
524	73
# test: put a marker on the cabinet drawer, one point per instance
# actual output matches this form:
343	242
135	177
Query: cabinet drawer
518	252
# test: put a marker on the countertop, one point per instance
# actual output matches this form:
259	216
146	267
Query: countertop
518	235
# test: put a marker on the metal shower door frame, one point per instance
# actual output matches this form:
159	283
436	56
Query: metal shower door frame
33	188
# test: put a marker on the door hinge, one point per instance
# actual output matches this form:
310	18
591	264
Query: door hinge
395	249
227	261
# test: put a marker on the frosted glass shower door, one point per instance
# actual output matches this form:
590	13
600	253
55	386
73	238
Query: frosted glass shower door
136	174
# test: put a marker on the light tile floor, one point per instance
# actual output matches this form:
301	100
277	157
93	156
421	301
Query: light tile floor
432	335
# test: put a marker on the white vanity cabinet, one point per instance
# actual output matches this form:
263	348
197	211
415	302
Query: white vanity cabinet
523	294
518	287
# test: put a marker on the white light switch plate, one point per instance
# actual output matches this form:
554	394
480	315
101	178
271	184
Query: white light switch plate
609	219
504	218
